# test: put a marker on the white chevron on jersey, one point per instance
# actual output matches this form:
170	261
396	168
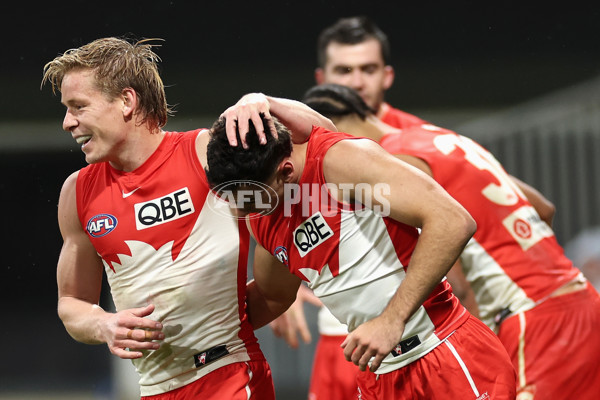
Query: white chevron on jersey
174	244
354	260
360	292
205	269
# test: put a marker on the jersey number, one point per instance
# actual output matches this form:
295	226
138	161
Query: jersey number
506	193
524	223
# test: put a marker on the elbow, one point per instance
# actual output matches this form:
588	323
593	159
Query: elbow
62	311
547	214
472	227
468	224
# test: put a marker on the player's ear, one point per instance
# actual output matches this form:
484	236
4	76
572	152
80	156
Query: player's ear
388	77
129	98
286	170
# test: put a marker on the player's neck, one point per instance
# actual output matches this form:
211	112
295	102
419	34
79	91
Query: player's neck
382	109
381	127
298	158
138	150
370	127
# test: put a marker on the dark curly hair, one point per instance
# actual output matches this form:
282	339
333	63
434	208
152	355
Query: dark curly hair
226	163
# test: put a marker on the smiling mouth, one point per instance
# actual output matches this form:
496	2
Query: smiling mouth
83	139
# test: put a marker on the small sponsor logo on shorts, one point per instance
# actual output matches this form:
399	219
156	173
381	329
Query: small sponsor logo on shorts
406	345
484	396
101	224
210	355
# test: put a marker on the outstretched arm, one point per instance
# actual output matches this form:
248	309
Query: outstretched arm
79	278
297	116
415	199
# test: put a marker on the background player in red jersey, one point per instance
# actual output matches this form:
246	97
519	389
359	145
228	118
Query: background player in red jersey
526	289
142	211
354	52
373	269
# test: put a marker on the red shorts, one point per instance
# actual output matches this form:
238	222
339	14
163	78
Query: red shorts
333	378
250	380
555	347
469	365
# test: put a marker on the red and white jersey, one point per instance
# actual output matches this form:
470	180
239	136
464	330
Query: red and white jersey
327	323
351	257
513	261
398	118
164	239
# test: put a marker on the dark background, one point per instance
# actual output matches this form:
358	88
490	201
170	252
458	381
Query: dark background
462	55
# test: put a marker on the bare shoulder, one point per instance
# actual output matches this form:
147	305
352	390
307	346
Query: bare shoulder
416	162
69	185
358	149
67	206
353	157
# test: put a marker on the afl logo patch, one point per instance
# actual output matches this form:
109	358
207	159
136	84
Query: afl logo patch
101	224
281	254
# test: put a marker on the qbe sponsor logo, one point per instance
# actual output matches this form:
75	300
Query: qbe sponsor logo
311	233
170	207
101	224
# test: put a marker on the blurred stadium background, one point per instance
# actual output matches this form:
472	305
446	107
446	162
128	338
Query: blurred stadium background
522	79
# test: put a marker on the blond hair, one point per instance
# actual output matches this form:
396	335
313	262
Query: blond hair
117	65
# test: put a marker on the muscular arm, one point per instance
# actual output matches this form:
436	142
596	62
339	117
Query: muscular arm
297	116
79	279
272	290
460	286
414	199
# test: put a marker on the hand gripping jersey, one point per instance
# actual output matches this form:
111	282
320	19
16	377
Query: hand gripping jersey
513	261
352	258
165	239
